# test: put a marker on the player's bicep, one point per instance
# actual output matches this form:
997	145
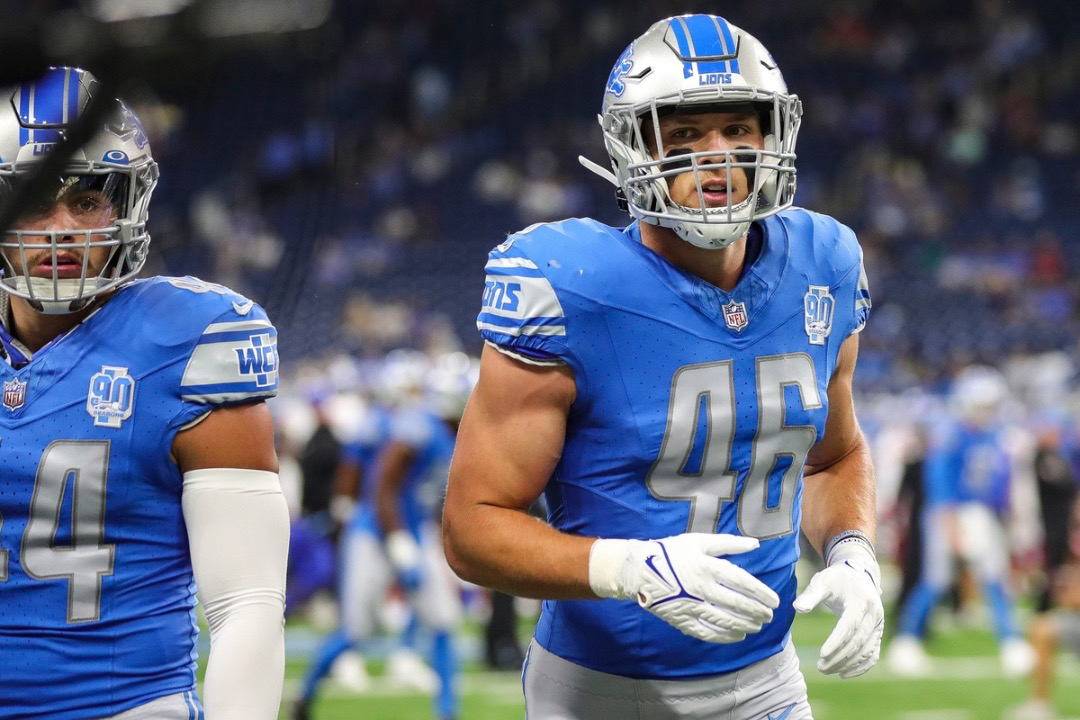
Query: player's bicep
236	436
512	434
842	433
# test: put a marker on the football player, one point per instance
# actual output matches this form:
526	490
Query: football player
967	479
395	535
364	572
138	462
680	390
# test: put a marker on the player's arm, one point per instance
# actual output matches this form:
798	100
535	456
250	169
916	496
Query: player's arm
347	480
839	520
838	486
1066	586
510	440
394	463
402	547
238	530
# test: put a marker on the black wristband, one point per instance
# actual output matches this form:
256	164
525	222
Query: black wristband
848	536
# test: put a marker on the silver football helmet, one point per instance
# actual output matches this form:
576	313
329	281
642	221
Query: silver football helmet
110	179
688	64
979	394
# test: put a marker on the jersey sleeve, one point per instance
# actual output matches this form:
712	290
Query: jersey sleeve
862	301
853	291
521	311
234	360
353	453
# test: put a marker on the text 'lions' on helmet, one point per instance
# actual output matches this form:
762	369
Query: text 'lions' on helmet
693	64
114	171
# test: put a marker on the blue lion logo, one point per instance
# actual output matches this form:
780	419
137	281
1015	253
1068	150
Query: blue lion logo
615	84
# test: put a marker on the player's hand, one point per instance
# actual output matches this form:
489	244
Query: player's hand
851	588
406	559
682	581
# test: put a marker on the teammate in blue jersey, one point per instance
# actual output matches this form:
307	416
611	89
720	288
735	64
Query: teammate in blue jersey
413	470
363	567
680	391
967	480
137	465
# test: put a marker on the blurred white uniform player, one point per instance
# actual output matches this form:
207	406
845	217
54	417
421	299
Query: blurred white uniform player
399	383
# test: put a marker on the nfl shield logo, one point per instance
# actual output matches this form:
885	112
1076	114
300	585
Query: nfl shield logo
735	315
14	394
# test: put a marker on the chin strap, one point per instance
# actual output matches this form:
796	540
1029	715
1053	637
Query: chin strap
598	169
603	172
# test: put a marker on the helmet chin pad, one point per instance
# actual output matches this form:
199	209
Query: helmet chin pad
708	236
56	297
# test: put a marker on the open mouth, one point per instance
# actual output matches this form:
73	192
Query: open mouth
714	193
65	266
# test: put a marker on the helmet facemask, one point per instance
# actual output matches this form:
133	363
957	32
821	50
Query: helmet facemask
643	175
125	241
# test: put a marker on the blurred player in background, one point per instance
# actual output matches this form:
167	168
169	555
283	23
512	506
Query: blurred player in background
681	389
138	455
361	558
968	474
1057	606
397	539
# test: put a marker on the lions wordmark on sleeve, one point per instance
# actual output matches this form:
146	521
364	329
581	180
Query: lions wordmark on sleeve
233	361
519	300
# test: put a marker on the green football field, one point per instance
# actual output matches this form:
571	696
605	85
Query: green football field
966	685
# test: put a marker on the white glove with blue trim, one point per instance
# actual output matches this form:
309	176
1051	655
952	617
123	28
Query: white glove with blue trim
683	582
851	588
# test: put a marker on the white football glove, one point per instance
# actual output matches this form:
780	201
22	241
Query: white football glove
681	581
406	558
851	588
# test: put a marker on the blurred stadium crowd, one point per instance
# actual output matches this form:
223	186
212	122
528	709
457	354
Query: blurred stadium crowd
359	180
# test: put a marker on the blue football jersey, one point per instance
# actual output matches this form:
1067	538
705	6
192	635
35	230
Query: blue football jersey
97	595
695	407
432	444
968	464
